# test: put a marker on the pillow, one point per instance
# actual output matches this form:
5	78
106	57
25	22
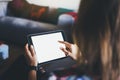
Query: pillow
60	11
63	10
22	9
54	13
38	12
51	16
3	8
19	8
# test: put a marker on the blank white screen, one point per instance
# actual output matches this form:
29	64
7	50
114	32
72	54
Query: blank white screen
47	46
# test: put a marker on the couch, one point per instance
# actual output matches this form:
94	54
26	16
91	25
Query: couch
14	27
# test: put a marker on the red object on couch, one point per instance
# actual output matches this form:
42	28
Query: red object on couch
1	42
73	14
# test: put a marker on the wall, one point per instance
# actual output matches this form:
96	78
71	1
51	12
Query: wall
69	4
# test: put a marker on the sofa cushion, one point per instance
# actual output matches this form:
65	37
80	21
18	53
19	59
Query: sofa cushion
3	8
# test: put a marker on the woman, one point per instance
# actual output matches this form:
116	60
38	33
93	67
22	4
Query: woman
96	37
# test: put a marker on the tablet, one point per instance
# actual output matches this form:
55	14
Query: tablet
46	45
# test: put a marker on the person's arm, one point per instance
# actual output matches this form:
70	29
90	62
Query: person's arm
32	75
32	61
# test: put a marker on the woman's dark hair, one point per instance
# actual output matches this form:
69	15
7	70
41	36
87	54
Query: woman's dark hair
97	34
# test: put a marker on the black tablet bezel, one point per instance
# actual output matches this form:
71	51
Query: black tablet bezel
43	33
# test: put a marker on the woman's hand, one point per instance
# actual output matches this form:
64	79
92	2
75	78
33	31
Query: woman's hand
70	50
30	55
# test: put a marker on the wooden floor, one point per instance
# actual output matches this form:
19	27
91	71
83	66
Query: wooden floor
14	53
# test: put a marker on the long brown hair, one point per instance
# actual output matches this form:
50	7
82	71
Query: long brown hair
97	34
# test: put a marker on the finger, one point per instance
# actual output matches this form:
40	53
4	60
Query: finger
32	50
64	42
65	51
27	50
67	44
